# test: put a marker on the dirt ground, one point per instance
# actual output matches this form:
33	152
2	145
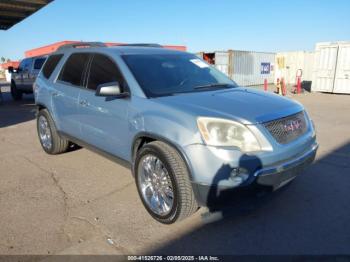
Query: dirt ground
82	203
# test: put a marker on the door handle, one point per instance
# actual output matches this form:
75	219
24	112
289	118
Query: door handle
83	103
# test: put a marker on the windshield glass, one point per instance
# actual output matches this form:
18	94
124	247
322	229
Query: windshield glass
169	74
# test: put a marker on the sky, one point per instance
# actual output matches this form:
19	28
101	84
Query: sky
201	25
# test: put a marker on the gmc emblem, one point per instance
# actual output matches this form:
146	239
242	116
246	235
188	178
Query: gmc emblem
292	125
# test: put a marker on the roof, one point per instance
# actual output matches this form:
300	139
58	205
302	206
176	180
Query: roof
14	11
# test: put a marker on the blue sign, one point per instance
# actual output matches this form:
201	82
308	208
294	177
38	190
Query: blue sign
265	68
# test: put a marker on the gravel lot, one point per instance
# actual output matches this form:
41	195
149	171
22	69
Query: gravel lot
82	203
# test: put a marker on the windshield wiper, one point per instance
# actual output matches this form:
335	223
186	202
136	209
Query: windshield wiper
213	86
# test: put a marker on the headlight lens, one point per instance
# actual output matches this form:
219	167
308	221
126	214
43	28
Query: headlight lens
221	132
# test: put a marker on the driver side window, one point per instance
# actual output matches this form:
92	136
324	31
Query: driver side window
104	70
25	65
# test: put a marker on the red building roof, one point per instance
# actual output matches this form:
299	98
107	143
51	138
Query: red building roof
48	49
14	64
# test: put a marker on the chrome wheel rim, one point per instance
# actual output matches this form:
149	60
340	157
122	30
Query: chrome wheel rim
44	132
155	185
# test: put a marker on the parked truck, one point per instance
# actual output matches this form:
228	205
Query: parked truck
23	77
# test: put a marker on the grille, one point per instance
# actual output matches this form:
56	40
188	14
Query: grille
287	129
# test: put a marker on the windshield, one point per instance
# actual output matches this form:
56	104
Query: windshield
169	74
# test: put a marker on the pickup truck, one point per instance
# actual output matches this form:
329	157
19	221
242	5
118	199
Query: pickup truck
23	78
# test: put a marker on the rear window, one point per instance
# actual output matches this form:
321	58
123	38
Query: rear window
38	63
51	64
74	68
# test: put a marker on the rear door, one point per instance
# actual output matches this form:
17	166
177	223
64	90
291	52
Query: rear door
66	93
342	75
325	67
104	120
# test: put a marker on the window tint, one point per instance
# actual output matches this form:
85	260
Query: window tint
73	69
51	64
38	63
103	70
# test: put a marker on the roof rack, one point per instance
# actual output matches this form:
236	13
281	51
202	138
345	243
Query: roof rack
82	45
140	45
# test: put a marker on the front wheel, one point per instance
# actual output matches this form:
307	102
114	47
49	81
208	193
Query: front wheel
15	93
163	183
50	140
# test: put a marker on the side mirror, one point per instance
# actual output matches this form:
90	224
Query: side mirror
10	69
110	89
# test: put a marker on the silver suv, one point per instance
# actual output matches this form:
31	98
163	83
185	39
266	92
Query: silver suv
189	134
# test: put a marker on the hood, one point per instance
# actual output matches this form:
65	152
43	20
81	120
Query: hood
246	105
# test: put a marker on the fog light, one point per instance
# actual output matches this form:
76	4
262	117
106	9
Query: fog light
238	176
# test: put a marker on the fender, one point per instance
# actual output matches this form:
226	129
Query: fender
137	142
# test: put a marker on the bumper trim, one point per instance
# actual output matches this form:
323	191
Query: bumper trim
289	164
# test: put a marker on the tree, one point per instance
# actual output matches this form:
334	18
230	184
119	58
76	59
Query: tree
3	59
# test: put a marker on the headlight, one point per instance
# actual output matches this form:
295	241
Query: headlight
221	132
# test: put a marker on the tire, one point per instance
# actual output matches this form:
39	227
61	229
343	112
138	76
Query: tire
15	93
184	203
57	145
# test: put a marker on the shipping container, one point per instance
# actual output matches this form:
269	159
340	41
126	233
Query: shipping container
332	67
289	65
246	68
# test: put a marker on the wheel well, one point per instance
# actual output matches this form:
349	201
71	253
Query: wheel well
140	142
40	107
145	139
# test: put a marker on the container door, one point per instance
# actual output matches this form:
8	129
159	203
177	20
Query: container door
325	65
222	62
342	75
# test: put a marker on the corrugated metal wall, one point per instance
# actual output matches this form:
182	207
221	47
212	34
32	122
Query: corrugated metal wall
251	68
246	68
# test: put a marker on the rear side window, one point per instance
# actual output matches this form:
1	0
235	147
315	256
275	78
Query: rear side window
51	64
73	70
103	70
38	63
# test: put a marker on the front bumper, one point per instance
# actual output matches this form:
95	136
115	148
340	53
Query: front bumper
274	176
279	175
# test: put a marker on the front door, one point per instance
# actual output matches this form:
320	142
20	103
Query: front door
325	65
26	72
104	120
342	75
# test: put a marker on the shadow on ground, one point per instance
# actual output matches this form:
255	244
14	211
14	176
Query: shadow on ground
15	112
311	215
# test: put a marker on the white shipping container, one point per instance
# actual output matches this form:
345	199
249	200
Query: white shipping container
291	64
332	67
244	67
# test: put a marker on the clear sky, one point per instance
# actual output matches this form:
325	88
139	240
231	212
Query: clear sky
256	25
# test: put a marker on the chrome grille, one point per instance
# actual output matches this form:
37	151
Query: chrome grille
287	129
